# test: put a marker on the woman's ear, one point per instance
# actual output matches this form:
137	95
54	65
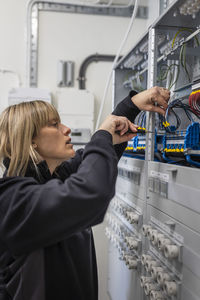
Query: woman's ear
34	145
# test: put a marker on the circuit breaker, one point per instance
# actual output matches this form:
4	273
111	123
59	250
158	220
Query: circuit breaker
153	222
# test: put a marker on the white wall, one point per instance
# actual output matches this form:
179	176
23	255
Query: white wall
68	37
13	50
74	37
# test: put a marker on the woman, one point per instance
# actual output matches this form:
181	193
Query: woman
50	197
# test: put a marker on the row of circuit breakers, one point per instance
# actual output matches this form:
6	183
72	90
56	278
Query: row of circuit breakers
153	222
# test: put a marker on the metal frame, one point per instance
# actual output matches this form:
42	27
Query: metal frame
170	203
35	7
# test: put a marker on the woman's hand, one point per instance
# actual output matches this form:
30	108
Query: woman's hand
119	128
154	99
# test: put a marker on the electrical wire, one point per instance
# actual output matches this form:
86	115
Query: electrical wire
182	58
115	61
164	70
194	102
181	30
170	110
171	82
141	119
182	55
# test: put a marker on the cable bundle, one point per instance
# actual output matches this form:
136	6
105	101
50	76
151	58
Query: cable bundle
194	102
178	104
141	119
165	70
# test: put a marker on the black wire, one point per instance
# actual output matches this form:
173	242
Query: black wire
187	109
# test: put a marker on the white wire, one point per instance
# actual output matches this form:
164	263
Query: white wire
114	63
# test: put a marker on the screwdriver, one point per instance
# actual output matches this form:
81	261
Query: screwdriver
144	131
139	130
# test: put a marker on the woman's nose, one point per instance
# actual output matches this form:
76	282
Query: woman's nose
65	130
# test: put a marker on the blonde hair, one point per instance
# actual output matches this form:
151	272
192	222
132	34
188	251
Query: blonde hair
19	124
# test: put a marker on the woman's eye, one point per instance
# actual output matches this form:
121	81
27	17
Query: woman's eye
55	124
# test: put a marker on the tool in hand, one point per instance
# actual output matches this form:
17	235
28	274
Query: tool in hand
140	130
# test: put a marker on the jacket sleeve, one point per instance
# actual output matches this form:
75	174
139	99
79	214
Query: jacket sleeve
125	108
34	216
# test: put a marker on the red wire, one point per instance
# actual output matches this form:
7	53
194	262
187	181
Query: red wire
194	102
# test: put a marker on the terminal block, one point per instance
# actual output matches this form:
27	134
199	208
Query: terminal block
185	144
137	145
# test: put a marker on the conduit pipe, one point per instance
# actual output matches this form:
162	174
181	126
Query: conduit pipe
90	59
32	30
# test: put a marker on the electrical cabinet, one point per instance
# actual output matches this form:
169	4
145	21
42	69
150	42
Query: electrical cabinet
153	222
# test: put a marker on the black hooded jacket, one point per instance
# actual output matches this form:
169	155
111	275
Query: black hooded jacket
46	243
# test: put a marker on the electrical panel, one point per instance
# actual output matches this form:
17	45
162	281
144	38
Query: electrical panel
153	222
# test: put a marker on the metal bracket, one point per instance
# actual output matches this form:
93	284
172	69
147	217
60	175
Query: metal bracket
171	224
173	172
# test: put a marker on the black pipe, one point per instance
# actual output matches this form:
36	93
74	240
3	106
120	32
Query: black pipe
95	57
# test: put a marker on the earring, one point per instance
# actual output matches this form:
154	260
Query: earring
34	146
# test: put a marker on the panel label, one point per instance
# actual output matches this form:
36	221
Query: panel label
159	175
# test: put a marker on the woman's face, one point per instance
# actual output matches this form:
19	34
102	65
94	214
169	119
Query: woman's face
53	143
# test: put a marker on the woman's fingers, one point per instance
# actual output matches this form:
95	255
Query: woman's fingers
157	109
161	97
151	98
126	127
132	126
123	125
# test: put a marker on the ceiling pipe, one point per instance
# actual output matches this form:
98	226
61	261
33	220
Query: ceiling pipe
32	25
90	59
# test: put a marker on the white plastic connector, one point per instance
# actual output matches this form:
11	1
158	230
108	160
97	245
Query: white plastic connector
121	254
149	232
155	237
170	288
162	277
126	214
132	263
126	238
145	229
144	258
113	238
108	233
156	295
144	279
127	257
171	251
133	218
149	264
153	232
162	242
148	287
119	207
118	245
132	243
155	270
